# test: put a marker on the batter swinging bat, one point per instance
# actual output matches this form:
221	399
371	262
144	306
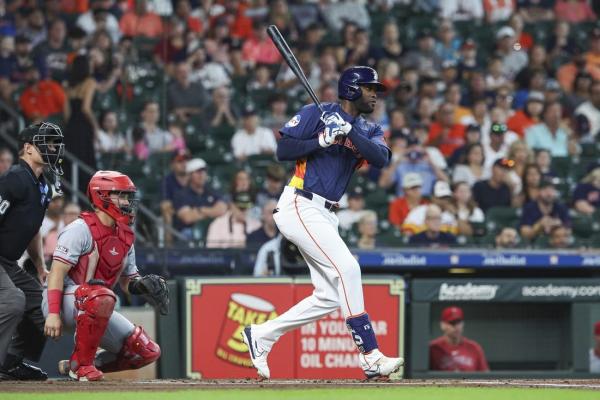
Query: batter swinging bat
290	59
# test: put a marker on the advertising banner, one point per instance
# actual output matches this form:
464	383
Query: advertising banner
217	310
506	290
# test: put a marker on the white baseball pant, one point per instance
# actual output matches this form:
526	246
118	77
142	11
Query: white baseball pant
334	271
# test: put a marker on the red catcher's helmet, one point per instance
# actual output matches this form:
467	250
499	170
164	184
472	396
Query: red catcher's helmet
105	183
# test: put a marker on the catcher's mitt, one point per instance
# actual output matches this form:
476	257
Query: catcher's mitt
154	290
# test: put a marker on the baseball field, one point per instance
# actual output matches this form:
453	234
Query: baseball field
313	390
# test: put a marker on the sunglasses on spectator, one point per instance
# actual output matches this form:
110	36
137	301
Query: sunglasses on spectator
499	128
506	162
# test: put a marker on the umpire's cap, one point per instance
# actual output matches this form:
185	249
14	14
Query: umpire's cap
353	77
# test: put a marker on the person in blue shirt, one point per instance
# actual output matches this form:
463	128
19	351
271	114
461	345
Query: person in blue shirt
327	146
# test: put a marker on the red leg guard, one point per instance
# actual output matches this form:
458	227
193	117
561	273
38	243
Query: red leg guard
138	351
95	304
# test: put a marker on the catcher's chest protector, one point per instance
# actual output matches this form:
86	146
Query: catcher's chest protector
106	259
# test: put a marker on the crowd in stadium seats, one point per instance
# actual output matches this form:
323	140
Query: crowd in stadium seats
492	110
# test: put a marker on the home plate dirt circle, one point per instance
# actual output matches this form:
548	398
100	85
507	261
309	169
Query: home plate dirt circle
173	384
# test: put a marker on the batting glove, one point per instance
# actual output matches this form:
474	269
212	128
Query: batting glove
335	127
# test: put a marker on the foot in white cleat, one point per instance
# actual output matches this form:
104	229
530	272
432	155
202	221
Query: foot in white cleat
258	356
376	365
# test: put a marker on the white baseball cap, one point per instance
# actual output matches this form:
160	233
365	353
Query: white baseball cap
412	179
194	165
504	32
441	189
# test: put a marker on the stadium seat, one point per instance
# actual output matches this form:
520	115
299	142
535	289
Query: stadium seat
499	217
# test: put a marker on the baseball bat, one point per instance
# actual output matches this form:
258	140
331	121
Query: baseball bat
290	59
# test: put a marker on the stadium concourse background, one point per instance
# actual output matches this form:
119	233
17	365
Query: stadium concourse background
509	79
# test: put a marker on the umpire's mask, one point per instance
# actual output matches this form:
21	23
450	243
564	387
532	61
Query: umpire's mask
48	139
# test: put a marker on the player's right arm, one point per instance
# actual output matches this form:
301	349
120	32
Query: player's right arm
56	279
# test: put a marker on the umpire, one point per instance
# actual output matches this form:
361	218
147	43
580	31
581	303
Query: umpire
24	197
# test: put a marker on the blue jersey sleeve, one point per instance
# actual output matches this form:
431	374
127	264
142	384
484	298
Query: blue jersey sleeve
303	125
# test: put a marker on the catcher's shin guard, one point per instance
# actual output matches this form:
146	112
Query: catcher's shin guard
138	350
95	304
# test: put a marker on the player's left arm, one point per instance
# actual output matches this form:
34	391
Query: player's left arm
373	149
34	249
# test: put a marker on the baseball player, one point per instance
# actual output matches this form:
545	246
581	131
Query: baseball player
327	149
92	254
24	198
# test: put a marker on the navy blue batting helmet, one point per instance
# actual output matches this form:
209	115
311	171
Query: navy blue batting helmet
353	77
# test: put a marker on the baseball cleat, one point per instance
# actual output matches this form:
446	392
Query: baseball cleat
22	371
376	365
257	356
86	373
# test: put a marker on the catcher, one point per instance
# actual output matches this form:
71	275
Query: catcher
92	254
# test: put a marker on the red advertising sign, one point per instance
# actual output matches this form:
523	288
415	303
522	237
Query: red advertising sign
218	309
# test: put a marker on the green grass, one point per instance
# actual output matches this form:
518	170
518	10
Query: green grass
409	393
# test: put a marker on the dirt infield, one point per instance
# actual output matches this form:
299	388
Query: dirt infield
169	384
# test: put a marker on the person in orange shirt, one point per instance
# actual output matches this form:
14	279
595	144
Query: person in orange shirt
528	116
401	206
444	133
592	57
41	98
141	22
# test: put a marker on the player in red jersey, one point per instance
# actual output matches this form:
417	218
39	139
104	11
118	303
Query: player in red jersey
453	351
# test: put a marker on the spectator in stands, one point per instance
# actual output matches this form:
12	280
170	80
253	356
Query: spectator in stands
99	15
260	49
549	134
273	185
497	145
553	92
171	184
196	202
574	11
220	112
35	26
6	159
444	132
267	231
543	159
447	46
498	11
184	97
468	59
560	237
540	216
424	58
277	114
495	75
494	192
356	208
231	229
592	57
453	351
268	258
453	95
287	80
520	154
210	72
23	61
507	238
462	10
391	45
53	52
586	198
261	80
415	160
472	136
141	22
529	115
252	139
153	138
465	209
400	207
531	178
109	138
41	98
415	221
595	351
472	170
367	230
534	11
173	48
580	92
513	59
432	236
591	109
